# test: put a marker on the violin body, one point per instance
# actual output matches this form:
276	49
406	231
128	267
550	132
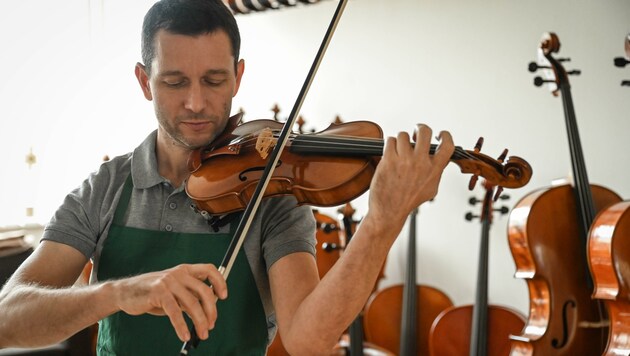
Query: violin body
544	238
609	261
450	334
223	184
383	316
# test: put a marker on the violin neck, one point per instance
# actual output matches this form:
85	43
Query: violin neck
349	146
408	342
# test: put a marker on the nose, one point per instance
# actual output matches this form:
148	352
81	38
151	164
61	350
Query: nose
195	100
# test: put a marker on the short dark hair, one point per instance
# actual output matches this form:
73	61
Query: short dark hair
187	17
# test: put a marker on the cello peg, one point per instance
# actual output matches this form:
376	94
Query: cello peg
533	66
621	62
470	216
473	201
503	210
328	228
330	247
538	81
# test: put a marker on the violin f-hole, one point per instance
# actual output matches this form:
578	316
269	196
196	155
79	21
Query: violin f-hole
242	175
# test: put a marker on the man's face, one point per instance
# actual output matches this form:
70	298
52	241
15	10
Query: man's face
192	83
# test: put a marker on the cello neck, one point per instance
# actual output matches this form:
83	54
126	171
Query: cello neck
584	198
479	329
356	328
408	327
583	195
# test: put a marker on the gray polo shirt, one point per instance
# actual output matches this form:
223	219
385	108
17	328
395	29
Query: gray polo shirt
83	220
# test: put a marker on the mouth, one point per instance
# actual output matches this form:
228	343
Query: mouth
197	125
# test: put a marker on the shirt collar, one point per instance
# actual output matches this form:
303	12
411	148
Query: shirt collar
144	169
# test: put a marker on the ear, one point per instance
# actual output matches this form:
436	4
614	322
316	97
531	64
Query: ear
240	68
143	80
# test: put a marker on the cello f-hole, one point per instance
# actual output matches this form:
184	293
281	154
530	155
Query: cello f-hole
565	326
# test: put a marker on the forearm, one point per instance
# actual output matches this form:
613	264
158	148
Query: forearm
32	315
343	292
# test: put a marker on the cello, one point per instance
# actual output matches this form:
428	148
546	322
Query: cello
547	232
478	329
609	258
399	317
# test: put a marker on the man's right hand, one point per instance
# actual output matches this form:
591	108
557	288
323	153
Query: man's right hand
173	291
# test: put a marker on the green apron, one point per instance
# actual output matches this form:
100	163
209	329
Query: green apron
241	327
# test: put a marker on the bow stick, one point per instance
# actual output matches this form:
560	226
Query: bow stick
252	207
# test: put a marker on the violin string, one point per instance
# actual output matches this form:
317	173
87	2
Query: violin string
350	144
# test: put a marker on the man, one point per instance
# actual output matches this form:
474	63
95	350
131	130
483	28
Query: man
152	254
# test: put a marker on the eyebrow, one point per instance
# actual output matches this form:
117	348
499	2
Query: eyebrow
180	73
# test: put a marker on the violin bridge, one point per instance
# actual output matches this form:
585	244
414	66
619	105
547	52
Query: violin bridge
264	142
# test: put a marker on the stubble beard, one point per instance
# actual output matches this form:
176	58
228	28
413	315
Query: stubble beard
177	136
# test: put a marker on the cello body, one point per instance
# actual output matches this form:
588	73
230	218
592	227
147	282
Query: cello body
609	261
383	316
479	329
450	335
544	238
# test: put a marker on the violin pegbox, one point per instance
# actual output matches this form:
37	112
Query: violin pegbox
514	172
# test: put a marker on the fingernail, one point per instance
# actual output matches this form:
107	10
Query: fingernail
186	336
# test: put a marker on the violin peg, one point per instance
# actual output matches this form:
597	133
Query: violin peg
501	158
497	194
566	59
473	201
469	216
478	145
276	110
473	182
574	72
625	83
300	122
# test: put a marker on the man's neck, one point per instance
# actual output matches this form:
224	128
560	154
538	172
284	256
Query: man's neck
172	159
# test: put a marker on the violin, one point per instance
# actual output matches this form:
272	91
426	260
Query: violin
399	317
547	234
327	168
478	329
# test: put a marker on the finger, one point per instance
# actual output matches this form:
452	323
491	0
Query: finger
189	302
445	149
208	299
390	148
210	273
174	313
403	144
423	139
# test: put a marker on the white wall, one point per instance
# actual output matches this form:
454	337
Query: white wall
68	91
